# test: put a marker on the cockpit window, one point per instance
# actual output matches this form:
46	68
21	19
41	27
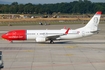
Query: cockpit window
11	33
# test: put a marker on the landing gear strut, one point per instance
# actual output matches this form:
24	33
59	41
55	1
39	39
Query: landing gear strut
51	41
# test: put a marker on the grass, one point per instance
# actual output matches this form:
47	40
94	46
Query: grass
51	21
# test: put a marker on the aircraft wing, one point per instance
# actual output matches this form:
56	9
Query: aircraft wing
56	36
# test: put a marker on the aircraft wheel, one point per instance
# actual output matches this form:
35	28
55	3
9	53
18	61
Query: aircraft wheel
51	41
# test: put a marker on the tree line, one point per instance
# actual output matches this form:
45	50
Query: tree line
75	7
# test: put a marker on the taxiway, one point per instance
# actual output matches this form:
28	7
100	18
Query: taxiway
80	54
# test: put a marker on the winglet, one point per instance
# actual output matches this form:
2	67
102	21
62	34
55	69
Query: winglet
67	31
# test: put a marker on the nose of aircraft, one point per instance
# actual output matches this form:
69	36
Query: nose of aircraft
4	36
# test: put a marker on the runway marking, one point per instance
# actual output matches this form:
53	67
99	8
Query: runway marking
63	54
28	50
68	54
71	47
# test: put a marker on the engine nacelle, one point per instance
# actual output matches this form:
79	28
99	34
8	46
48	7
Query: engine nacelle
40	39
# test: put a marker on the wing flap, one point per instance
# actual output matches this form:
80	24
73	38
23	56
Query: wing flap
56	36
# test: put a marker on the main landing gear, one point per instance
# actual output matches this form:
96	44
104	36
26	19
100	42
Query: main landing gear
51	41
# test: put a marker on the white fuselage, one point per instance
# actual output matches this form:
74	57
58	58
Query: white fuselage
72	34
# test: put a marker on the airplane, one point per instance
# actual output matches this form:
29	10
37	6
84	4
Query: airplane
50	35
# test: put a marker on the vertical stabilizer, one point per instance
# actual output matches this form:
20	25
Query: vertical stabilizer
92	25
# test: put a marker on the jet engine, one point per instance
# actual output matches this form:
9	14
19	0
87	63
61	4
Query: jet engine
40	39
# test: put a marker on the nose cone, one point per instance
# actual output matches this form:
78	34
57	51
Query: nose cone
4	36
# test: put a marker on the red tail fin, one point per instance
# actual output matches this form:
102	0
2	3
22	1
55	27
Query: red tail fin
99	12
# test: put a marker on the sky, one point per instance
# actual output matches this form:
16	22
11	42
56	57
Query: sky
46	1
